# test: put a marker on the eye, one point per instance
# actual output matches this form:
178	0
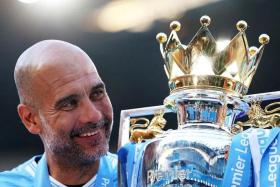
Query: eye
97	94
68	104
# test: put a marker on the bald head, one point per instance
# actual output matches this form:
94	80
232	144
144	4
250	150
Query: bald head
44	60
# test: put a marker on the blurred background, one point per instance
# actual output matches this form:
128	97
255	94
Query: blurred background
119	36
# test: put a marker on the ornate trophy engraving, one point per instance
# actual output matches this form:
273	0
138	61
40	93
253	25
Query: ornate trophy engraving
208	80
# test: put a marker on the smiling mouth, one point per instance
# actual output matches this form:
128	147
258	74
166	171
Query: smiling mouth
90	130
88	134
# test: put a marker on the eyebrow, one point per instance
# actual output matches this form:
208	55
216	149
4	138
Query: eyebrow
99	85
71	97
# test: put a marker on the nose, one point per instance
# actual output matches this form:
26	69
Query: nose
89	113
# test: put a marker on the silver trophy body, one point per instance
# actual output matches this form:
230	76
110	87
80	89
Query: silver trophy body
196	153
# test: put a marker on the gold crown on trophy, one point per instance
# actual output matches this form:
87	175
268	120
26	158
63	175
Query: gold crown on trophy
205	63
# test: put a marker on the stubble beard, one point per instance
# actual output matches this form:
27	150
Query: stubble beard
62	145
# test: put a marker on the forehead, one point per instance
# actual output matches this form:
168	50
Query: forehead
63	65
66	73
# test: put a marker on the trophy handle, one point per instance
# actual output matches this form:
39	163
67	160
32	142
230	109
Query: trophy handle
263	96
137	112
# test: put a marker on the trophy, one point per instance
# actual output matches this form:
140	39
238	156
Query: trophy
208	82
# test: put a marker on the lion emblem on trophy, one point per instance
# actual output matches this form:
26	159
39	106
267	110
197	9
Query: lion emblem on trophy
148	130
260	118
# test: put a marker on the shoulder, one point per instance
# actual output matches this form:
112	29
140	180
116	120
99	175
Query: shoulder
21	175
111	156
108	170
110	160
109	164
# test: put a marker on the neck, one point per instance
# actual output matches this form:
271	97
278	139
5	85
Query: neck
71	173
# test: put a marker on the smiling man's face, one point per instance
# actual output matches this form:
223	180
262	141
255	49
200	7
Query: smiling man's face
74	109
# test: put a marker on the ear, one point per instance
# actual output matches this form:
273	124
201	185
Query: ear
29	118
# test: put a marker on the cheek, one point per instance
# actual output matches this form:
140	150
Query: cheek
107	108
62	121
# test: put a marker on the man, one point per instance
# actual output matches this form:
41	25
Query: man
64	101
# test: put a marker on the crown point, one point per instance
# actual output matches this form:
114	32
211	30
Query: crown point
241	25
175	25
252	50
205	20
161	37
264	39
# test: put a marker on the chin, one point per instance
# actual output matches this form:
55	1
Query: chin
96	153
